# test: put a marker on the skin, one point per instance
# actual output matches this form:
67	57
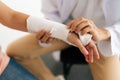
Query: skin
17	20
84	26
92	52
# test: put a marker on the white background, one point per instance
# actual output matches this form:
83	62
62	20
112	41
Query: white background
31	7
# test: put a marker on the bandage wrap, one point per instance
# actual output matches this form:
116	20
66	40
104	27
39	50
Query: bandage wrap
85	39
58	30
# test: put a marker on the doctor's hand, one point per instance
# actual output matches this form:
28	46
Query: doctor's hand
84	26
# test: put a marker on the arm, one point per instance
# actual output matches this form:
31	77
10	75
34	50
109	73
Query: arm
17	20
11	18
58	30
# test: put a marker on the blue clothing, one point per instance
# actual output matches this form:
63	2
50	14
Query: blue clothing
15	71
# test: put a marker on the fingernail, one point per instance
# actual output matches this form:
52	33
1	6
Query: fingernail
91	61
87	60
98	57
86	52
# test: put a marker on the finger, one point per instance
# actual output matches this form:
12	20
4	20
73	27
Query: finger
75	24
90	56
46	37
50	39
86	30
87	58
95	50
91	21
40	34
82	25
71	24
81	47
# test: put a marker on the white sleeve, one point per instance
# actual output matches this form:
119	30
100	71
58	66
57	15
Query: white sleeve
58	30
52	13
111	47
112	17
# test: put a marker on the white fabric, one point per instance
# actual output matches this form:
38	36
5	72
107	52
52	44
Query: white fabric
58	30
34	24
105	14
85	39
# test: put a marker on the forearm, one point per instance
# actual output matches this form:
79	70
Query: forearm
11	18
58	30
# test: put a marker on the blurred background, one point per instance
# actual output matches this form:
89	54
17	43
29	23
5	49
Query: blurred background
33	7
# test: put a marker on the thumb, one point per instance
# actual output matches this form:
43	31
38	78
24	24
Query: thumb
81	47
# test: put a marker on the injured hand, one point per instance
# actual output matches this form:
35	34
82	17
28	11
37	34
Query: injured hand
58	30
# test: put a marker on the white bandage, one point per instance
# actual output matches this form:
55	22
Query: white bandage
58	30
85	39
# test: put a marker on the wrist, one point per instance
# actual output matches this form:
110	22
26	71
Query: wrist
106	35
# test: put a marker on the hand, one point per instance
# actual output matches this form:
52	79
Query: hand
73	38
93	52
84	26
89	51
44	36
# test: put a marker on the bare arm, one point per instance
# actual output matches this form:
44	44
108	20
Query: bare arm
11	18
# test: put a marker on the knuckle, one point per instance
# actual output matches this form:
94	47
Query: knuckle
82	18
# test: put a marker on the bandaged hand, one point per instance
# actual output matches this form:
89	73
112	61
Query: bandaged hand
44	37
57	30
75	27
89	51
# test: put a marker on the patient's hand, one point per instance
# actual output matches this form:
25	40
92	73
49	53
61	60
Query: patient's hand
89	51
73	38
93	51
